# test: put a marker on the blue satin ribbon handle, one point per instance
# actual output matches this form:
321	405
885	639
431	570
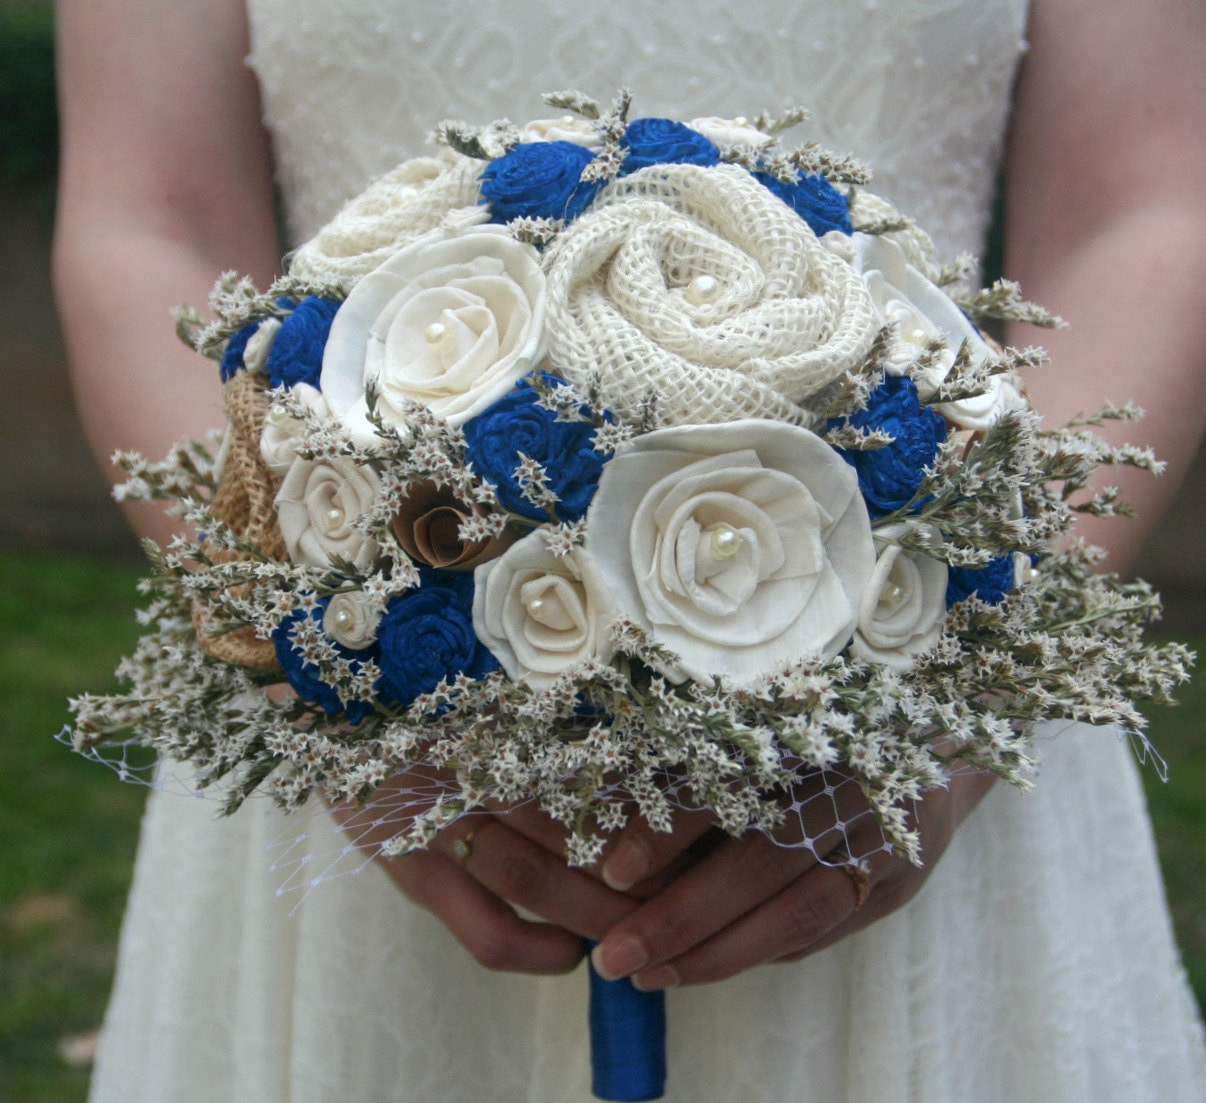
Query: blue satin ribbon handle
627	1040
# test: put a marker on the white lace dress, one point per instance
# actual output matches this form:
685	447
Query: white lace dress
1035	965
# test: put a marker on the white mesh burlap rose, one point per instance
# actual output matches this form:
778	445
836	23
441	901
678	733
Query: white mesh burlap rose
699	285
396	209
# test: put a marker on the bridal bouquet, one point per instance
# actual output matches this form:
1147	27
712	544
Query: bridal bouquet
620	466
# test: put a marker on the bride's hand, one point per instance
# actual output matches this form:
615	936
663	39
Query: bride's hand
480	866
750	901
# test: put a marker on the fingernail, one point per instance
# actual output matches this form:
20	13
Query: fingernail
628	865
618	959
664	976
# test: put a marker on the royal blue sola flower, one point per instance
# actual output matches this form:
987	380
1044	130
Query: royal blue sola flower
306	677
232	358
426	637
517	424
814	199
539	180
890	477
296	355
665	142
989	583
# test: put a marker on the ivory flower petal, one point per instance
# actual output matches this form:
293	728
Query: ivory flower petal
317	507
738	546
451	322
540	614
903	607
351	619
567	128
923	312
730	132
283	434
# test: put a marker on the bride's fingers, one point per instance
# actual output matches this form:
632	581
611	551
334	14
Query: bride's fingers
485	925
640	854
637	857
739	875
525	873
797	918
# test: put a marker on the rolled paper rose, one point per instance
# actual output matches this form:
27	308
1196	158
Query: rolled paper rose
296	354
517	426
305	675
426	636
814	199
989	583
450	322
428	524
540	614
317	507
738	546
698	289
283	433
903	607
923	313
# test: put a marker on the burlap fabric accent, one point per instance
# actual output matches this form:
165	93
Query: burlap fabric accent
396	209
243	502
787	317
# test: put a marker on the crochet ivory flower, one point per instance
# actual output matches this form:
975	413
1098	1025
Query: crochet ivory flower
540	614
351	620
451	322
697	288
730	132
317	507
738	546
922	313
567	128
904	604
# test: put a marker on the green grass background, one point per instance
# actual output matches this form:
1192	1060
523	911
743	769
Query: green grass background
68	827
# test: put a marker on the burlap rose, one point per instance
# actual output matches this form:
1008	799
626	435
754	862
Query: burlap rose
699	286
396	209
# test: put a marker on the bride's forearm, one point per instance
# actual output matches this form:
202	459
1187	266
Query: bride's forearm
1106	225
1136	303
165	181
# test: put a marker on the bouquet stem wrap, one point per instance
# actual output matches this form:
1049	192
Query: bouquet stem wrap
627	1040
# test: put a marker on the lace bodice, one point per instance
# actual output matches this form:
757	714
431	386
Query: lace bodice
919	88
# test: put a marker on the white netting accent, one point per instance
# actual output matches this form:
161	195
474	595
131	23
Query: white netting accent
633	306
396	209
825	813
